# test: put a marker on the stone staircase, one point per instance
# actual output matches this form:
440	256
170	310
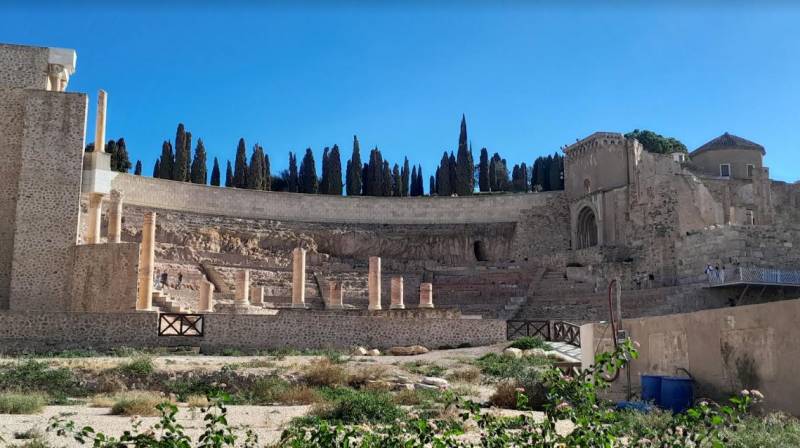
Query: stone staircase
164	304
490	291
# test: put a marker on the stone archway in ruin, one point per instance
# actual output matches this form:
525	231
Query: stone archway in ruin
480	251
586	229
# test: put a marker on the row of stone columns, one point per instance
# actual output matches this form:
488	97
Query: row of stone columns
114	217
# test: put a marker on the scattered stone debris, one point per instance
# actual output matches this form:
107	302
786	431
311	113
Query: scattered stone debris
512	352
407	351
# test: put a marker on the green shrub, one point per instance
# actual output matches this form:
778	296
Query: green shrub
137	403
140	366
266	390
529	342
324	373
774	430
503	367
21	403
353	406
35	376
424	368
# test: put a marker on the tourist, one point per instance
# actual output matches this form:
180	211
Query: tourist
709	272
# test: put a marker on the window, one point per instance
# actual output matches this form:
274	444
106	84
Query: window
750	170
749	216
725	170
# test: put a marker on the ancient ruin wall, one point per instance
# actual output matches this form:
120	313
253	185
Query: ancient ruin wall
41	142
184	196
37	332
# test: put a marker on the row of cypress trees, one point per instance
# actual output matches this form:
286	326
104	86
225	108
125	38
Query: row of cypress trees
456	174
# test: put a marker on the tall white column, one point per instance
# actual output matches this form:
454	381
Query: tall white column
94	218
100	123
426	295
242	296
299	277
115	217
147	258
206	304
335	296
397	294
374	283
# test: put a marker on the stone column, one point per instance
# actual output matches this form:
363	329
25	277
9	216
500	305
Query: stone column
206	304
299	278
95	214
374	282
115	217
100	123
147	258
426	295
335	296
257	295
242	296
397	294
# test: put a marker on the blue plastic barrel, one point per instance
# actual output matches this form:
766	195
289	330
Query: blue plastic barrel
651	388
676	393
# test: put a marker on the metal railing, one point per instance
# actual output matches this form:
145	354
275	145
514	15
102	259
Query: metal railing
170	324
763	276
567	332
549	330
522	328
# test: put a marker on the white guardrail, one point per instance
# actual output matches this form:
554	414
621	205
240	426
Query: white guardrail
741	275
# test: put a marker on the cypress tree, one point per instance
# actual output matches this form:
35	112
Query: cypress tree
188	163
397	181
413	187
308	174
293	180
324	181
215	173
548	164
432	186
386	184
420	188
335	171
138	170
240	167
493	174
443	187
464	168
406	180
502	177
198	168
228	175
181	155
375	175
255	179
453	172
515	178
523	177
266	171
111	148
483	171
353	175
156	169
554	172
167	161
365	179
122	163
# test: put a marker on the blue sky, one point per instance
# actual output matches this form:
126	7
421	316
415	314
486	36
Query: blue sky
530	77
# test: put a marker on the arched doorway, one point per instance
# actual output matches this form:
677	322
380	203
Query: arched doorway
587	228
480	251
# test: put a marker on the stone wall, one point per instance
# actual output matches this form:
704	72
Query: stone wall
104	278
184	196
23	67
41	142
41	332
716	347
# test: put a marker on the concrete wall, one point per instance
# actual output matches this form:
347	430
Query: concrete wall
40	332
105	277
708	161
184	196
601	159
725	350
48	189
23	67
41	143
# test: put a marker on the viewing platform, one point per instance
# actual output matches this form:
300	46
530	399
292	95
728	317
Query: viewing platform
754	276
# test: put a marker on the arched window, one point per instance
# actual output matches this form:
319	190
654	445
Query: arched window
587	229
